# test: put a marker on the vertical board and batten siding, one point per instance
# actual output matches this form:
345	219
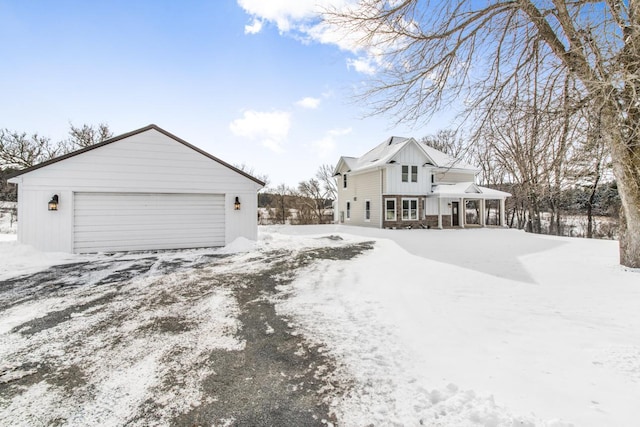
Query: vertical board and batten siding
107	222
432	205
147	162
410	156
455	176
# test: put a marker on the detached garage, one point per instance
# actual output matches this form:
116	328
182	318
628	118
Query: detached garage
144	190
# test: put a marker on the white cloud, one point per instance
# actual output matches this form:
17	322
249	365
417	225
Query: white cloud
362	65
270	128
309	102
254	28
325	148
286	14
303	19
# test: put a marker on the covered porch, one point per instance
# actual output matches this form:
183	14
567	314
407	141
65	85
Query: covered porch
465	205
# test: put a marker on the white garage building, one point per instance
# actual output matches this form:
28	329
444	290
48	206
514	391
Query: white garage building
143	190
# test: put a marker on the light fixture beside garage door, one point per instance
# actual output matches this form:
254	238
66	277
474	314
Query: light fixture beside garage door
53	203
236	205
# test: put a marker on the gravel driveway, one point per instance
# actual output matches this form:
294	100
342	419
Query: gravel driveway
172	338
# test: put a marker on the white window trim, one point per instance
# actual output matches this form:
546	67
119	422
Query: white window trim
345	181
402	173
348	210
411	173
409	199
365	211
395	210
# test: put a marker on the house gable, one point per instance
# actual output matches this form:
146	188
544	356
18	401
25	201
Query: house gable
428	187
137	136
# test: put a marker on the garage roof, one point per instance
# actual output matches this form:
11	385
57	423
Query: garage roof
126	135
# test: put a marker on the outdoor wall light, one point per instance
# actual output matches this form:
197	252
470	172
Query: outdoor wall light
236	205
53	203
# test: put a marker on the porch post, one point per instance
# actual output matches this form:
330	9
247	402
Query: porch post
482	213
502	214
439	213
462	213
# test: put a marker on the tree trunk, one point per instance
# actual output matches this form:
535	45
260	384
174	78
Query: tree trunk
589	220
627	171
592	198
626	168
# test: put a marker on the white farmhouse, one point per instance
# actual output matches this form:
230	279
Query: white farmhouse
144	190
404	183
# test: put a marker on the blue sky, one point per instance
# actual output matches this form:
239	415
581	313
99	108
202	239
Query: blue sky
253	82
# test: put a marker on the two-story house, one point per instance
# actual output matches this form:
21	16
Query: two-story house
403	183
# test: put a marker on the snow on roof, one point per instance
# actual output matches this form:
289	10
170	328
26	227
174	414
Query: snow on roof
444	160
468	190
386	151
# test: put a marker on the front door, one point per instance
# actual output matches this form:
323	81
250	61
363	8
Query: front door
455	217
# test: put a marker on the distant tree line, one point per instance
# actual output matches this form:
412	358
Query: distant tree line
309	203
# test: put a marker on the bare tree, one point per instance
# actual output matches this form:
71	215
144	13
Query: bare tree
313	196
281	195
19	150
325	177
438	52
87	135
593	164
451	142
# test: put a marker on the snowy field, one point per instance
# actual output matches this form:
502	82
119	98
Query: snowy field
486	327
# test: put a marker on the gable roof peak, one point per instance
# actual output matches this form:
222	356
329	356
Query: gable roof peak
127	135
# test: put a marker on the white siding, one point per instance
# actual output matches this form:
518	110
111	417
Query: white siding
410	156
432	206
455	176
147	162
106	222
365	187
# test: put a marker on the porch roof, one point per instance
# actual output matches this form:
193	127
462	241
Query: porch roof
468	190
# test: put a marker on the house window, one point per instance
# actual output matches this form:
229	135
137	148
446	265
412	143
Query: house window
409	209
344	180
348	210
390	209
367	210
406	176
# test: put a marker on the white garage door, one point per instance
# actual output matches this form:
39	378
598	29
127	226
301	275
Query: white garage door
106	222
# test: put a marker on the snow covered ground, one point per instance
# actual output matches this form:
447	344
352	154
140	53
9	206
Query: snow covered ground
471	327
483	326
